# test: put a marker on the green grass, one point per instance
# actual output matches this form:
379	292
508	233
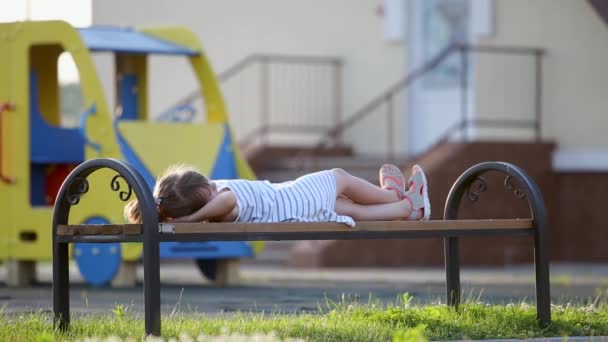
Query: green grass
344	321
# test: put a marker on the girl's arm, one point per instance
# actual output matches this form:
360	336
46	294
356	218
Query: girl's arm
220	206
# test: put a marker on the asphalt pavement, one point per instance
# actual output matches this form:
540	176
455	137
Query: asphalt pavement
277	288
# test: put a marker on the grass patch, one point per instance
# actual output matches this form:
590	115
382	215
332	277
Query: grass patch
343	321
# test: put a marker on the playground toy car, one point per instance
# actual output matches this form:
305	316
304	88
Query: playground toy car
37	152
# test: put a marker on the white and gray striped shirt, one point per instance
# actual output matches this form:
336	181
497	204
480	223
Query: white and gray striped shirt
310	198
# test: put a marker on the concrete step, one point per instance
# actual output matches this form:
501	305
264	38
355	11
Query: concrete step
292	168
269	156
277	176
328	162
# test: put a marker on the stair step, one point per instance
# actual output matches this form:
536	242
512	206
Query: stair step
277	176
262	156
323	163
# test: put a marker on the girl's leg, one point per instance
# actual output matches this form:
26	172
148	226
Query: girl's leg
400	210
414	205
361	191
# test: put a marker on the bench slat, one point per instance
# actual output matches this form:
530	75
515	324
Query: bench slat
289	227
99	229
376	226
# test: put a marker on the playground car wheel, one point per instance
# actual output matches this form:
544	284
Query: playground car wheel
208	268
98	263
221	272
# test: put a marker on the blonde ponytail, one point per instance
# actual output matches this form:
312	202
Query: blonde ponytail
132	212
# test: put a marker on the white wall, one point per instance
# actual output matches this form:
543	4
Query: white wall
575	76
233	29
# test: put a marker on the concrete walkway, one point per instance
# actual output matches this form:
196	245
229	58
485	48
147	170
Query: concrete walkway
574	283
185	272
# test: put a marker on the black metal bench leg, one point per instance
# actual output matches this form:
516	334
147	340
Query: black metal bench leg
152	285
61	286
543	290
452	271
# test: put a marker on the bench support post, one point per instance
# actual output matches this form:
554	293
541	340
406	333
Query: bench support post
61	287
151	280
452	271
541	267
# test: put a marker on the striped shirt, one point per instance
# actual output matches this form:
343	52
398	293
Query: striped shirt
310	198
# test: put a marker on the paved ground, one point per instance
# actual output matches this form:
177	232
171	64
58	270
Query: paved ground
277	288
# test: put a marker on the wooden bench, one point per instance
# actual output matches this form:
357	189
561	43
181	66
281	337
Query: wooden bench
151	232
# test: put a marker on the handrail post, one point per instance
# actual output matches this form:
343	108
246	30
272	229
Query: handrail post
464	89
337	75
264	100
390	126
538	98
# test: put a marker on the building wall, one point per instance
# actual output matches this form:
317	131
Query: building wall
230	30
572	34
574	97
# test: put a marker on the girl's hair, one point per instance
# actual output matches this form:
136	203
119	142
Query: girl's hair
180	191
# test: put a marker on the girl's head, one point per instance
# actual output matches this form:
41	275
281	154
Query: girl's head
180	191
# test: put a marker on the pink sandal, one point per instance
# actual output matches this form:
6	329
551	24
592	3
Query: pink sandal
417	195
391	178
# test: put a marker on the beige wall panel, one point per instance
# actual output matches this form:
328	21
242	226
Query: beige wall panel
575	76
230	30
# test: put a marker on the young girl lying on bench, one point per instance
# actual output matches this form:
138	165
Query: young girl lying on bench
185	195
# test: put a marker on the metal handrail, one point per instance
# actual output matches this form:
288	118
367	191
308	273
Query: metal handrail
466	123
4	108
451	49
228	73
387	96
367	109
255	58
405	82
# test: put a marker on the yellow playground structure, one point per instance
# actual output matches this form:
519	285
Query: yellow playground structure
37	151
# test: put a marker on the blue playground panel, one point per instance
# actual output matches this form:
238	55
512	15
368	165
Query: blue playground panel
205	250
51	144
130	105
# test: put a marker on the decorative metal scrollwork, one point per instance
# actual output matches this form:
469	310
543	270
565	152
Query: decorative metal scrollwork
510	187
115	185
477	186
78	187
